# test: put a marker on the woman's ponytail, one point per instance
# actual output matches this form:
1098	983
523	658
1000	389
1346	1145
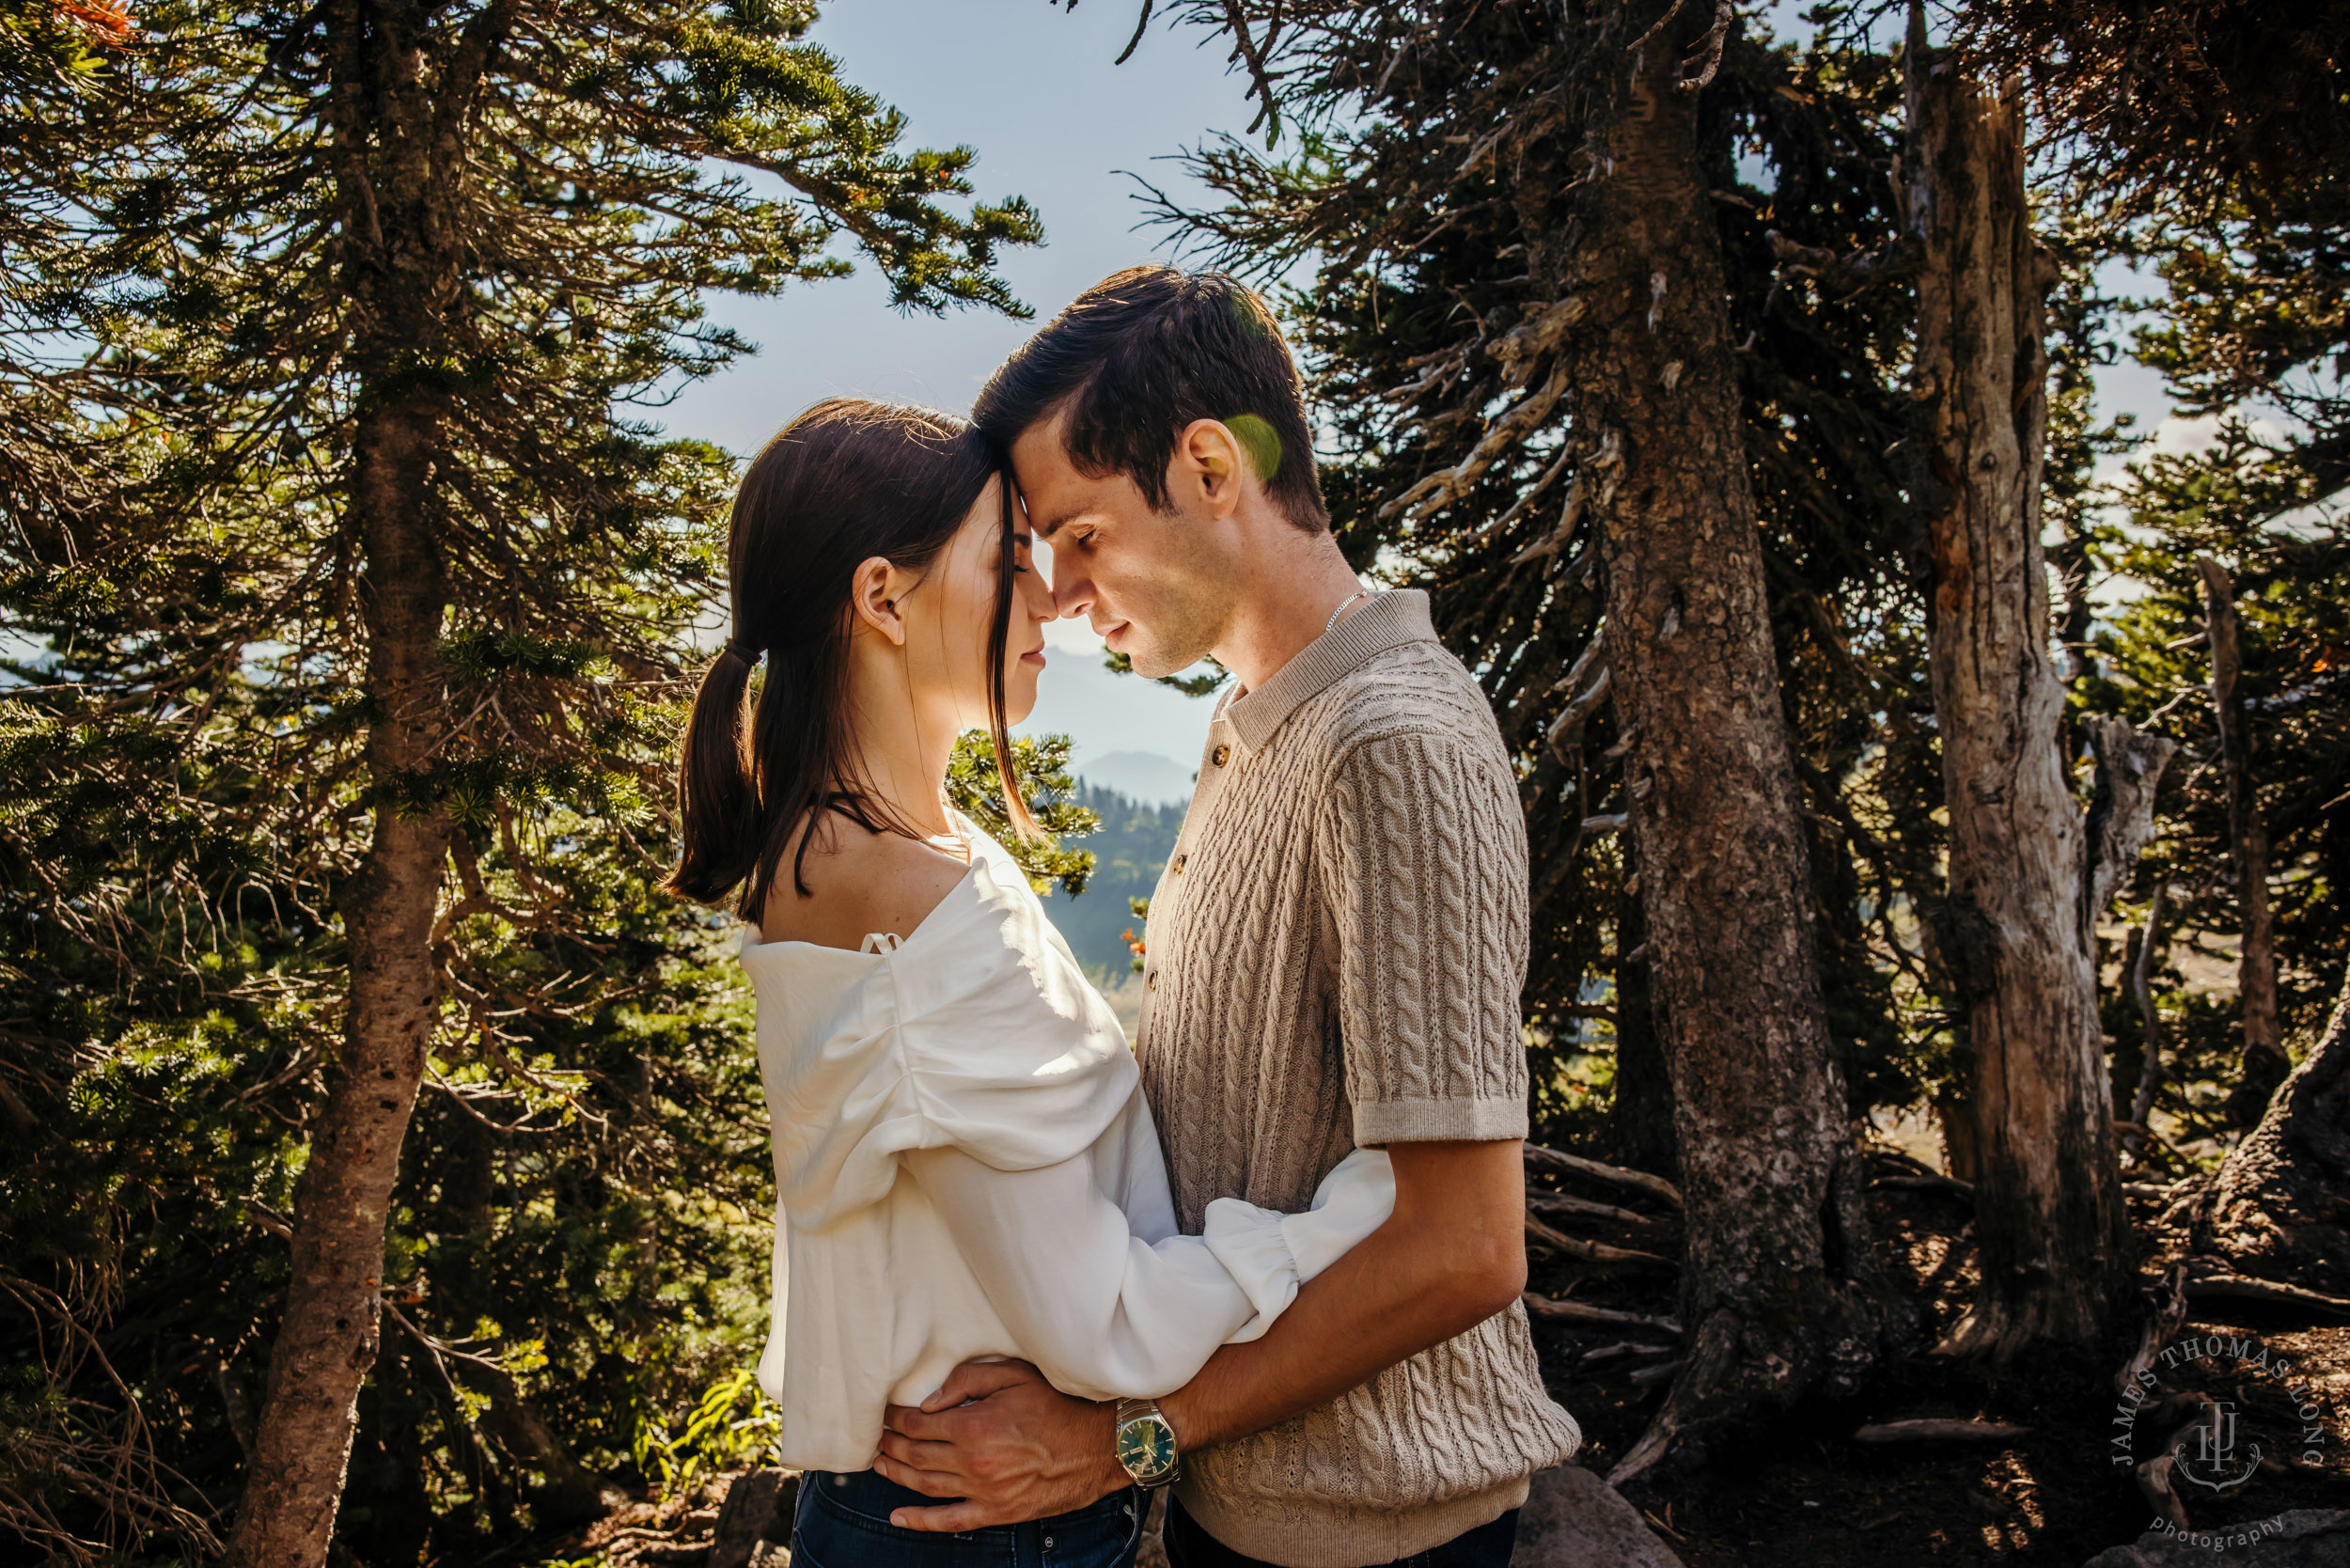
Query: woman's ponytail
717	810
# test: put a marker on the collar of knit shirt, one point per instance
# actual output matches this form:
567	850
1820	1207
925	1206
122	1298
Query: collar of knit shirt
1384	620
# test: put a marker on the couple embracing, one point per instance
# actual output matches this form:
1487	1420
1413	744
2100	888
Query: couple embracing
1271	1255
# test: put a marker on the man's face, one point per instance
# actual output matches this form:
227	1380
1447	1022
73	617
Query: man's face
1158	587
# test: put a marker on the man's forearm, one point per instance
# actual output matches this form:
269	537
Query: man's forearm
1452	1255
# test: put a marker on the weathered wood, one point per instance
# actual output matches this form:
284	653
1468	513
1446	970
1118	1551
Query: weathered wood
2279	1209
2054	1238
2142	992
2166	1311
1937	1429
2230	1287
1554	1310
2264	1064
1561	1204
1919	1182
1591	1252
1655	1186
1779	1285
2122	813
1643	1376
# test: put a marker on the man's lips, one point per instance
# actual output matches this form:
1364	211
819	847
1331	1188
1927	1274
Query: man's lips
1110	634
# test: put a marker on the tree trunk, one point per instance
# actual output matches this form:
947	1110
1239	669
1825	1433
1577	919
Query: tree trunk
1641	1113
331	1330
396	143
1778	1289
2265	1063
2280	1208
2016	931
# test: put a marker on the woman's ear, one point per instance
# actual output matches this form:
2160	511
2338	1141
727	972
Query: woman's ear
874	591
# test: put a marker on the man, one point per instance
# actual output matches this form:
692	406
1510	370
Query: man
1336	950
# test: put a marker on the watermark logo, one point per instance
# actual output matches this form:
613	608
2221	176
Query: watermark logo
2232	1408
2215	1453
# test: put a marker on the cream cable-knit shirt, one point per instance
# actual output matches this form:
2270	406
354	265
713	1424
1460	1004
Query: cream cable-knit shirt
1334	958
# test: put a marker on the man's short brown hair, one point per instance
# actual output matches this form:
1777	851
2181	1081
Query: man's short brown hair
1144	352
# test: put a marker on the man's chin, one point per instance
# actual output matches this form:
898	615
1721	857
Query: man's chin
1156	666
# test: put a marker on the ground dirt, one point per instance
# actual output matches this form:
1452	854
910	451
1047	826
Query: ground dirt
1803	1494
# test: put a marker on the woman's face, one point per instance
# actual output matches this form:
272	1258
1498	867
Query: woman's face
946	637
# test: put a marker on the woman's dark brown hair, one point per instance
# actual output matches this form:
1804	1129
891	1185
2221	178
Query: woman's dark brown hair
847	480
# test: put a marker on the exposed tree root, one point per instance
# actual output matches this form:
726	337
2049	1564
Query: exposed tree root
2279	1210
1590	1252
1575	1311
1655	1186
1935	1429
1737	1368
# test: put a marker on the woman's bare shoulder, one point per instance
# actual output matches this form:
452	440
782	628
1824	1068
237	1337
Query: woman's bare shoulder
859	882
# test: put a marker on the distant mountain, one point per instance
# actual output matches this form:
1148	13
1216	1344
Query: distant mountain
1132	842
1144	777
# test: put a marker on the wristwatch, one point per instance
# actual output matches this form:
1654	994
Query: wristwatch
1146	1444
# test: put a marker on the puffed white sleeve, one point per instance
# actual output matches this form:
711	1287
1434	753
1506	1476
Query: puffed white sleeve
1105	1314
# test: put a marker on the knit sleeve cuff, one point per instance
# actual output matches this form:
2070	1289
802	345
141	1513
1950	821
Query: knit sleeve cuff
1383	1122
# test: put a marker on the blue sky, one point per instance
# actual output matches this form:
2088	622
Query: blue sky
1032	89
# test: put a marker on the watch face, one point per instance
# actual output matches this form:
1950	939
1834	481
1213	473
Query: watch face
1145	1447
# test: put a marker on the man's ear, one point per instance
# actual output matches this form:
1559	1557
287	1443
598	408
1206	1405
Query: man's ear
874	589
1210	461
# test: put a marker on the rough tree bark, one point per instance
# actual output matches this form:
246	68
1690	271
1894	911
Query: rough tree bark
399	158
2279	1207
2120	825
2056	1259
2265	1064
1642	1112
1779	1294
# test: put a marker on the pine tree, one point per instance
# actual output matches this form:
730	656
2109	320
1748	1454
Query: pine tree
383	284
1541	282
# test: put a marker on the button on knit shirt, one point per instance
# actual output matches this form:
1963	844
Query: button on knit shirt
1334	959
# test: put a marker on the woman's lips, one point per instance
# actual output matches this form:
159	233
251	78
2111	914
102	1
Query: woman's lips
1034	656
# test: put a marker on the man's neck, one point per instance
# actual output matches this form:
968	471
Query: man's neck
1287	607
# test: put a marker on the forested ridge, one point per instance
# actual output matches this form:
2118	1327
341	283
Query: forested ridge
1896	739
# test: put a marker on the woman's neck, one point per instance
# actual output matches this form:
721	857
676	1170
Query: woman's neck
902	753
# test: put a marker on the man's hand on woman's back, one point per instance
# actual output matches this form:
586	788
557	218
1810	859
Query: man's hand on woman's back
1452	1255
1005	1441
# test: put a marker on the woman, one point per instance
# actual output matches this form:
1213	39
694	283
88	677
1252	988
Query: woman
965	1164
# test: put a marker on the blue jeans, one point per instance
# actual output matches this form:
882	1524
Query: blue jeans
1486	1547
843	1522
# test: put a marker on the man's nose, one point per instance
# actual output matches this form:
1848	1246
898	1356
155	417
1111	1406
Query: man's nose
1072	590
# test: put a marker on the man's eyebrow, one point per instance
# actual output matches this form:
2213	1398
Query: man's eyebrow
1046	528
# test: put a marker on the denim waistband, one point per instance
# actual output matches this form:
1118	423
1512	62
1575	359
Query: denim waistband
871	1492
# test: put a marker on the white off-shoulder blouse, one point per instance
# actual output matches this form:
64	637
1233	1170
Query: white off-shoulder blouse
965	1167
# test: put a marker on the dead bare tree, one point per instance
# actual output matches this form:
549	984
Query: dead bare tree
2264	1064
2016	931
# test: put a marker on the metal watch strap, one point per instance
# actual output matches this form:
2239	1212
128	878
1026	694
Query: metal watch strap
1133	1410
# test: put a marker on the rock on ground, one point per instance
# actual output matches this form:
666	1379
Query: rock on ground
755	1513
1573	1519
2300	1537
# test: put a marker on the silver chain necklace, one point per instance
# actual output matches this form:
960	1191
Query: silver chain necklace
1341	609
